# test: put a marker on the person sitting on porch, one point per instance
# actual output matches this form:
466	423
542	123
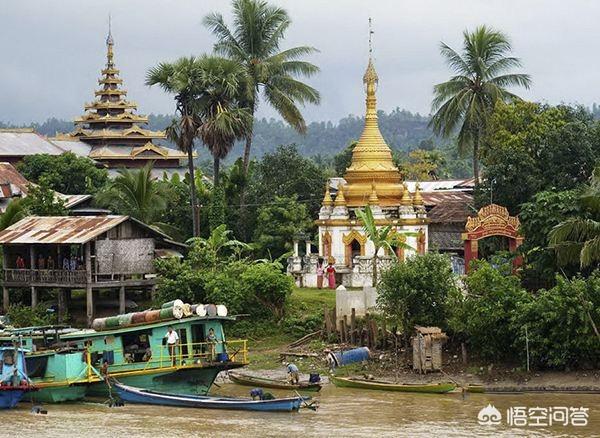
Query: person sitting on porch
73	263
66	264
41	262
50	263
20	262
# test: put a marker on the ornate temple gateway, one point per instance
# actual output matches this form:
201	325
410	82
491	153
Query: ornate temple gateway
371	179
113	130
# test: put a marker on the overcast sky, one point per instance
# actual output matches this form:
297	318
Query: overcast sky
52	51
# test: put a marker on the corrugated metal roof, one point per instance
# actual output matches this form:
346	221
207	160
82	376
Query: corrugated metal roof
58	229
78	147
21	143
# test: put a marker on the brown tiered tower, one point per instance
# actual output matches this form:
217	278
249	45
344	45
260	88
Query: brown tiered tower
113	129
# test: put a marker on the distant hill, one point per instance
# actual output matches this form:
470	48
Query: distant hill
402	130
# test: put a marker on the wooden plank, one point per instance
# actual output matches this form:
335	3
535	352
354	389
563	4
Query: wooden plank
353	327
346	329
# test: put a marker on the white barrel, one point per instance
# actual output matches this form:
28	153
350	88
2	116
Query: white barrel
200	310
174	303
177	312
187	310
221	310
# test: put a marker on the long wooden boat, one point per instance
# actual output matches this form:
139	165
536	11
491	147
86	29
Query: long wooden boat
246	380
137	395
431	388
14	383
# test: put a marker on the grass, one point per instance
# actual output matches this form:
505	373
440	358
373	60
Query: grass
313	298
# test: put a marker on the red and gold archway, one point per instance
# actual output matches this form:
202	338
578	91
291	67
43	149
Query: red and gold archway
491	220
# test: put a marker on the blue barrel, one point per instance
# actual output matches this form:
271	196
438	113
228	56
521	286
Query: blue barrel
222	357
342	358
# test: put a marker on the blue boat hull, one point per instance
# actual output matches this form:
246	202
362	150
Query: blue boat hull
137	395
9	399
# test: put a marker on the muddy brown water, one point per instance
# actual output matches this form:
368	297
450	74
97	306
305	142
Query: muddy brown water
342	412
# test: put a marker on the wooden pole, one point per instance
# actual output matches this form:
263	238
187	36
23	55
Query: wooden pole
122	299
89	294
346	336
34	295
527	346
384	335
5	294
61	305
463	348
353	327
374	332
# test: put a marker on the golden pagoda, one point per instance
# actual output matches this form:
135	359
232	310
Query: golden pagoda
115	132
372	162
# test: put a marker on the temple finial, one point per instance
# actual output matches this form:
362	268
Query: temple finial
371	32
109	44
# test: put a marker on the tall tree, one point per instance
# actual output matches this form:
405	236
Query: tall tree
254	41
181	78
481	78
577	239
381	237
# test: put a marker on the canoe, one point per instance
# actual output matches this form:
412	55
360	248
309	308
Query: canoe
138	395
244	379
432	388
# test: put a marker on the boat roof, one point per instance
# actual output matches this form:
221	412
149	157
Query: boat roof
89	333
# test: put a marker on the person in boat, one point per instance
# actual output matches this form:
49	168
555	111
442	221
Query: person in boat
320	273
172	341
293	373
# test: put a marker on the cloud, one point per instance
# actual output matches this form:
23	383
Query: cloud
57	49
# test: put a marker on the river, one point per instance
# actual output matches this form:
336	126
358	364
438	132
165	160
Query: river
342	412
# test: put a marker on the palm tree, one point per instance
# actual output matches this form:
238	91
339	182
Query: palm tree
14	212
577	240
135	193
223	119
481	77
180	78
254	41
217	243
382	237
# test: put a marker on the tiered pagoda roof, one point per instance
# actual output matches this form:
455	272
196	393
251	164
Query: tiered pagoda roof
110	123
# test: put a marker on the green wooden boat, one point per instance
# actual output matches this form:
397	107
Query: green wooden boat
431	388
246	380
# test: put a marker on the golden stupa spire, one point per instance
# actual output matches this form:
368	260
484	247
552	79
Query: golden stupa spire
371	157
373	199
327	201
418	199
340	201
406	200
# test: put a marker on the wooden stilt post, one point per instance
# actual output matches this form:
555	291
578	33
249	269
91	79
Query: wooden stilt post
61	305
122	299
353	327
5	299
374	332
384	339
89	294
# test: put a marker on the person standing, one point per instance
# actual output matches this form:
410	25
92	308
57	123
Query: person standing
331	274
320	273
172	341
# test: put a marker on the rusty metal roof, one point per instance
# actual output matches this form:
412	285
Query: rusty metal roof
58	229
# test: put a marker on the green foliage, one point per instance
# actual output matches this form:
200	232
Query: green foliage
66	173
577	239
558	324
532	147
538	217
217	208
270	288
342	160
277	224
415	292
41	200
482	75
25	316
14	212
178	210
135	193
216	249
483	313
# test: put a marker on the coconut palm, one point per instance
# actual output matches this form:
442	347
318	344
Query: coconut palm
223	120
382	237
14	212
254	41
577	239
180	78
135	193
481	78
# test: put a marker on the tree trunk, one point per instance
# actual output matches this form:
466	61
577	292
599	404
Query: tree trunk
193	200
216	169
476	162
248	146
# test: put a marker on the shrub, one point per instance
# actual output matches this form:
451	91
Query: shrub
268	287
25	316
483	313
558	324
414	292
